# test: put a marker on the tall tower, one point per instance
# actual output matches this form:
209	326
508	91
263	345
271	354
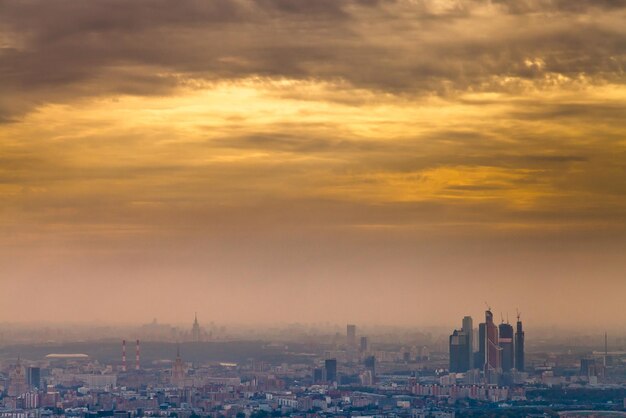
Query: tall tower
364	345
137	356
480	358
351	336
178	370
519	346
370	364
17	380
33	377
468	329
459	352
606	348
195	329
506	343
493	363
330	367
123	355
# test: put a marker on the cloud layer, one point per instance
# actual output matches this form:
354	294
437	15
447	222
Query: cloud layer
62	48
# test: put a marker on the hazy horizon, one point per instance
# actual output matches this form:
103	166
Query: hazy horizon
41	332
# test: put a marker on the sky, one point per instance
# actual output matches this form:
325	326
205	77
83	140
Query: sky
396	162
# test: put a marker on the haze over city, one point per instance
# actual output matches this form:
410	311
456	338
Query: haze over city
380	162
312	208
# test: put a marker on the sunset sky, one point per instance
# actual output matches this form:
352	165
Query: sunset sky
372	161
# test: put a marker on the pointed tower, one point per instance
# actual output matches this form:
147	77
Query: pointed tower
493	359
178	370
519	345
17	380
195	330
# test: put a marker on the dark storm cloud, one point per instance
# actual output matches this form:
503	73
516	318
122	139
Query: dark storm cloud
577	6
60	49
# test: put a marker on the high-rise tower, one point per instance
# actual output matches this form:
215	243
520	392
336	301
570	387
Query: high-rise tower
370	364
351	336
506	343
493	363
364	345
17	380
461	355
519	346
33	377
178	370
330	367
468	329
480	356
459	352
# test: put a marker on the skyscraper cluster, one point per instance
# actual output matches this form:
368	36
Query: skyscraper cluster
500	347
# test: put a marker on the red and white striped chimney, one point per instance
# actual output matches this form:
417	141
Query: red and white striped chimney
137	356
123	355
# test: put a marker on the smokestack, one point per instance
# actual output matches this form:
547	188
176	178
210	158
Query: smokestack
606	347
137	356
123	355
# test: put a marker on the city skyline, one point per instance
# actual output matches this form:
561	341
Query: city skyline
312	208
336	324
210	330
390	162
